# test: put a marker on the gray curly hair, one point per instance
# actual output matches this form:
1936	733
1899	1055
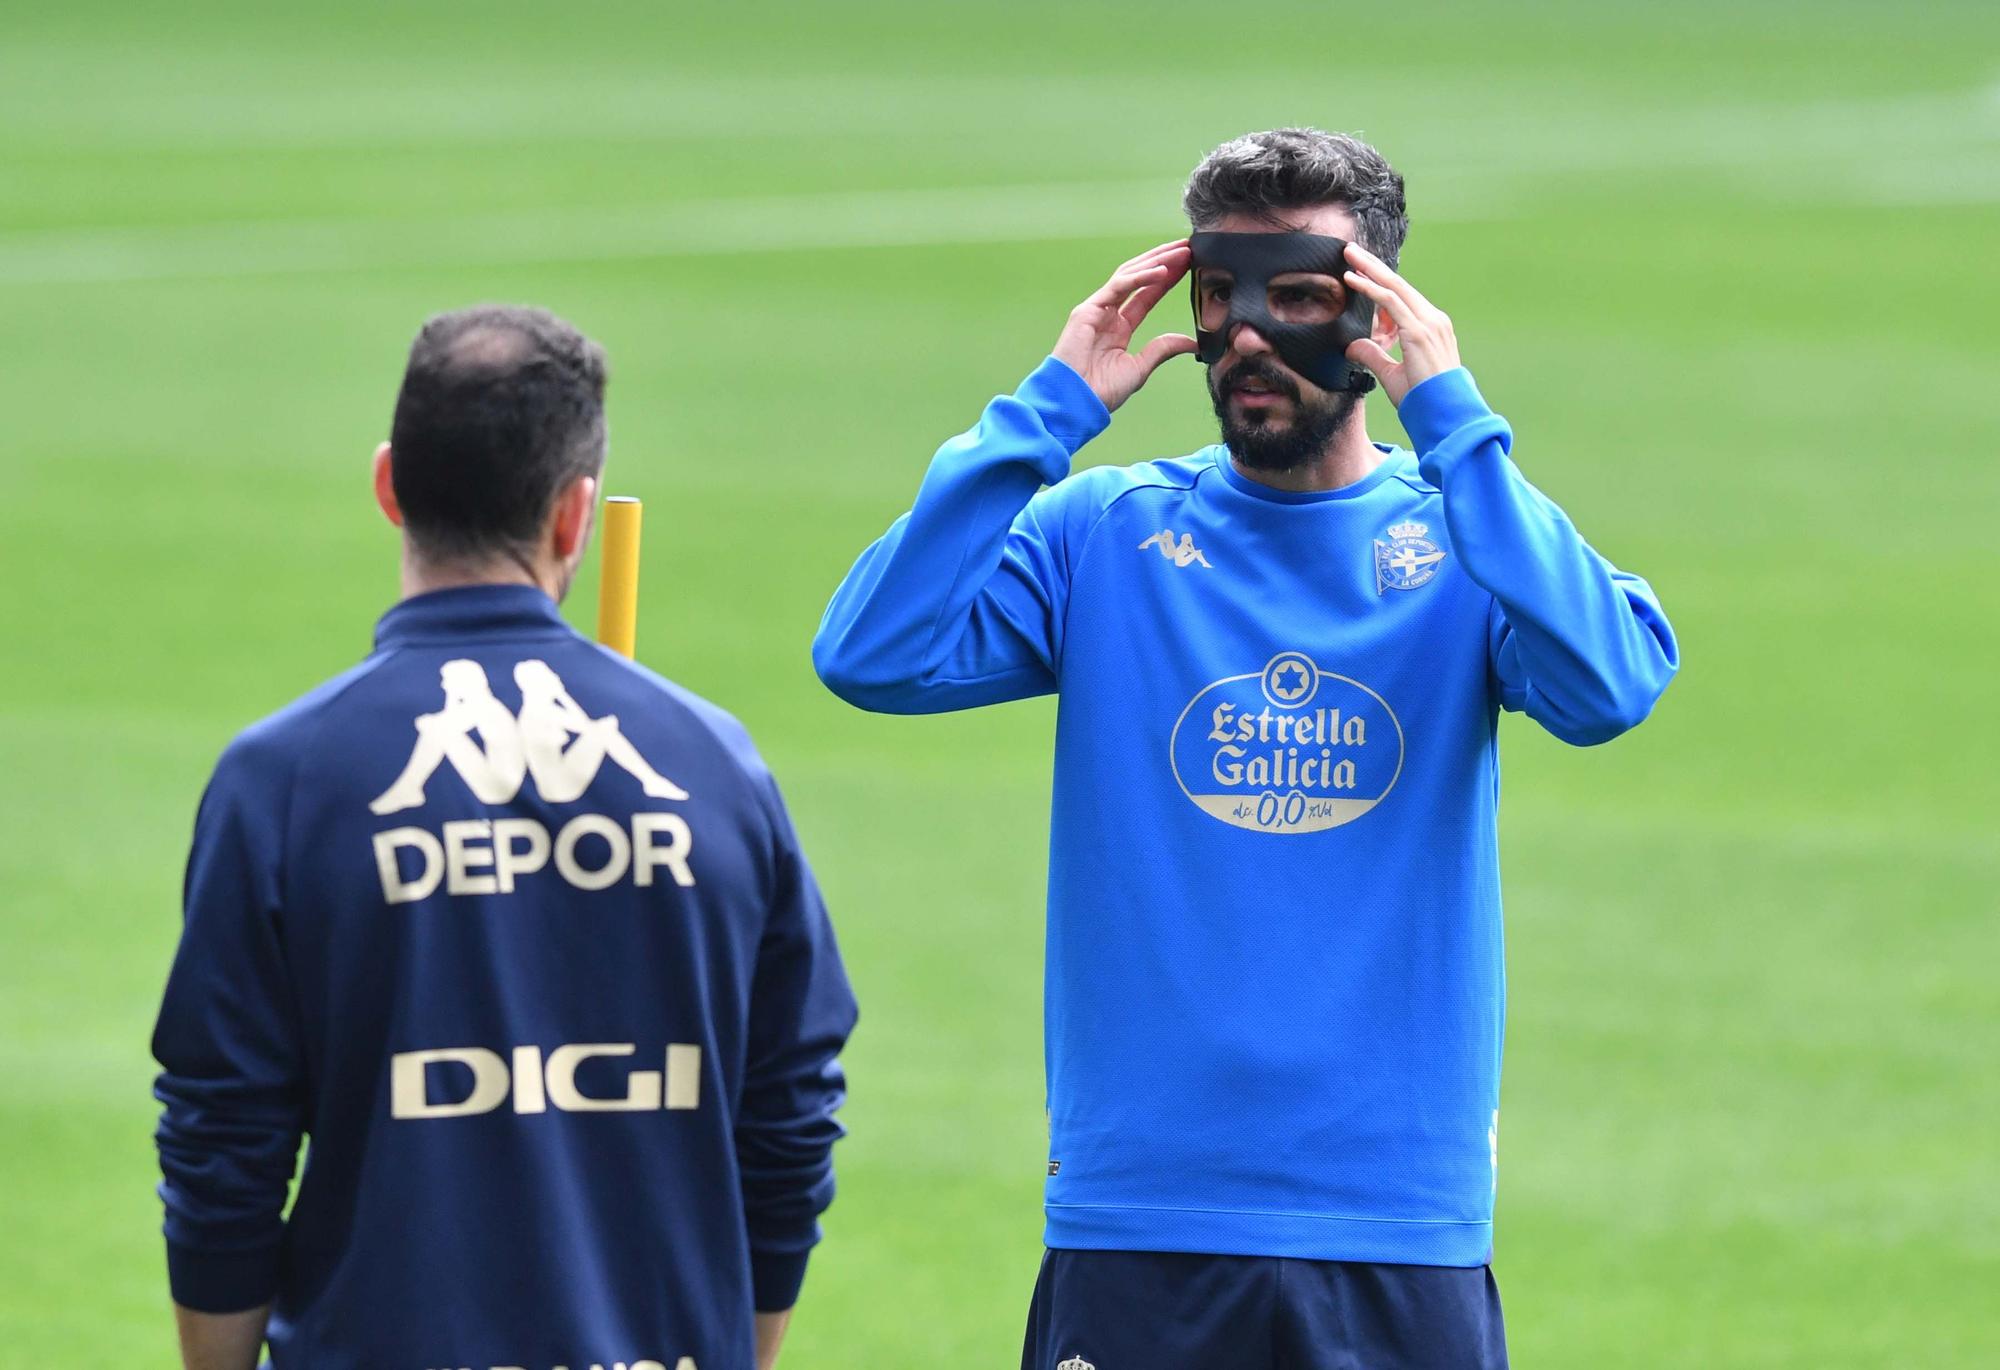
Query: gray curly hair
1261	174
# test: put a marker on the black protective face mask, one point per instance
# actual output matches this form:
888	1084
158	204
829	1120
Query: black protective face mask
1316	351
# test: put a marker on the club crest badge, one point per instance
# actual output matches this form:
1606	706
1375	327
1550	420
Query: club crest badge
1408	560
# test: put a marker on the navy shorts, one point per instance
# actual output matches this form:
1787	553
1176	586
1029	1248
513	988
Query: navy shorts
1152	1310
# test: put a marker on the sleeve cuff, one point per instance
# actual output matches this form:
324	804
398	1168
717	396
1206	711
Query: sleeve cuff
1436	408
775	1277
1066	404
225	1282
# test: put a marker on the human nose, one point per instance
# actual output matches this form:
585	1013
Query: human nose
1249	342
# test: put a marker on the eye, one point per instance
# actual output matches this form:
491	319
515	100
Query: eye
1308	301
1219	293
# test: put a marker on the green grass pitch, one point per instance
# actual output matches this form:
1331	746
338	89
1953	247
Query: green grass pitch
1728	268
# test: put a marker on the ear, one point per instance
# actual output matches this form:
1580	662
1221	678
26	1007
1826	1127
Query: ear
570	520
385	485
1384	332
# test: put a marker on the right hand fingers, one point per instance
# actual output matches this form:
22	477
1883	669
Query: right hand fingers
1152	254
1167	254
1128	279
1141	301
1162	348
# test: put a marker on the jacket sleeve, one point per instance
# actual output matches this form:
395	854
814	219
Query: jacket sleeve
231	1077
801	1012
961	602
1582	647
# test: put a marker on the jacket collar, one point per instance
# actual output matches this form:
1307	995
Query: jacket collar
471	611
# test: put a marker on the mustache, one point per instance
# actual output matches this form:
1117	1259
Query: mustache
1256	369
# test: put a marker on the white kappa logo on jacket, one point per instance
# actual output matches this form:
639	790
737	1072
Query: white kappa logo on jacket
553	740
1182	554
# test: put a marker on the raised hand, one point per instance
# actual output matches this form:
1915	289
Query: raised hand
1096	341
1406	317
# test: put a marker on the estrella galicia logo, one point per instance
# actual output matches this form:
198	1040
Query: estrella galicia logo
1291	748
1408	559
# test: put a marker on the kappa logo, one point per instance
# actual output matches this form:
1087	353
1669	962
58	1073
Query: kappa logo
1493	1142
552	739
557	743
563	748
1407	560
1183	553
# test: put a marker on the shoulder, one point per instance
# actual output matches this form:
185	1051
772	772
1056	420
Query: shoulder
1079	502
262	759
699	726
1408	473
688	712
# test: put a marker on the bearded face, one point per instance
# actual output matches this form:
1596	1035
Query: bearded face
1271	419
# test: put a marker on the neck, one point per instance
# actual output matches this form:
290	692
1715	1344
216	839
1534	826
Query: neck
421	575
1347	457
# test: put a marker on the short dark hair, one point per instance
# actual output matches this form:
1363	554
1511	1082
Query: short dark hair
501	408
1261	174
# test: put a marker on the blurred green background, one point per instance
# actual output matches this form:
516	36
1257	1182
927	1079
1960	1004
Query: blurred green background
1728	268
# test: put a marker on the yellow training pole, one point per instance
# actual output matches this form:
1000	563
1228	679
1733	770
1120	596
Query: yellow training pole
618	586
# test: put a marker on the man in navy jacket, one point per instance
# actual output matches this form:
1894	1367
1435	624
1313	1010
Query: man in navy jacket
519	935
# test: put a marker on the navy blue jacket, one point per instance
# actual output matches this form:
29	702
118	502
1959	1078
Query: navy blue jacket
520	936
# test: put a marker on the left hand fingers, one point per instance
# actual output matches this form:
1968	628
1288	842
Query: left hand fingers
1367	264
1371	354
1404	319
1398	308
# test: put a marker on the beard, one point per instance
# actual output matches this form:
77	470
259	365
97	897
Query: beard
1263	444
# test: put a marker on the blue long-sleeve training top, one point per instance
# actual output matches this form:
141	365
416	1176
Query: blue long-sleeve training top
520	936
1274	989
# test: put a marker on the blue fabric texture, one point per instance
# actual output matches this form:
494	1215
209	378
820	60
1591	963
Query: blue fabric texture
1274	994
519	935
1123	1310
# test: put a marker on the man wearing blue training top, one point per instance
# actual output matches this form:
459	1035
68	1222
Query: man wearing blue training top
519	934
1274	986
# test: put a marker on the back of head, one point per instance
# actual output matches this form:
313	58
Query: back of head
501	409
1261	175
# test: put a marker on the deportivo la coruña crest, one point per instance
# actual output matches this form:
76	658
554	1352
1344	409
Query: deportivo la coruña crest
1409	560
